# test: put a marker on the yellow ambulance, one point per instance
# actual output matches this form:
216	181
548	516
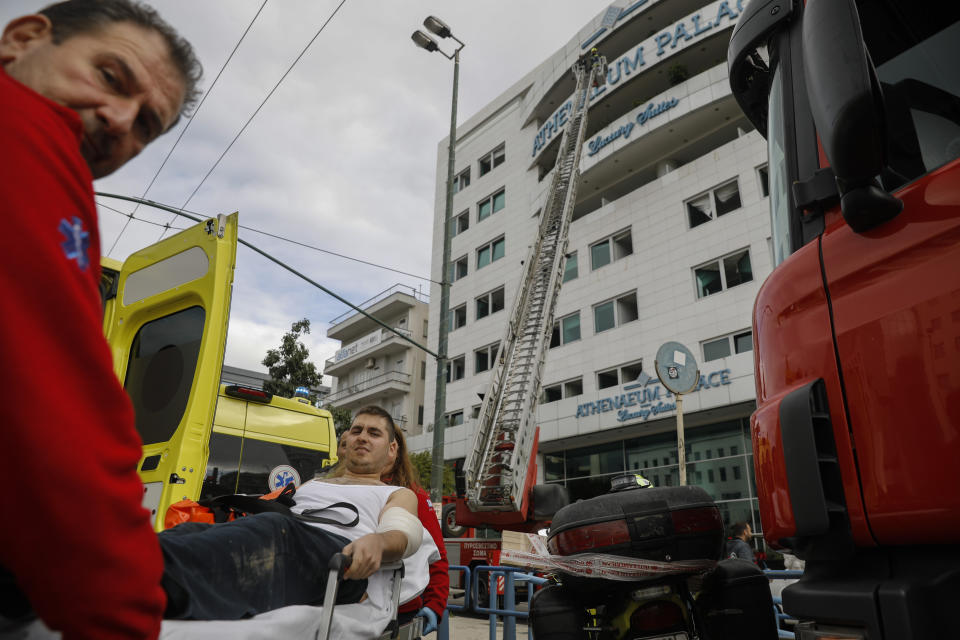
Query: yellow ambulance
166	309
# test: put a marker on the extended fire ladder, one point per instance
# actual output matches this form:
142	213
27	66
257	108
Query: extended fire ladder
497	467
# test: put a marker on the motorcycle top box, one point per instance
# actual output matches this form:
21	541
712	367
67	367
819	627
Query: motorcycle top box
664	524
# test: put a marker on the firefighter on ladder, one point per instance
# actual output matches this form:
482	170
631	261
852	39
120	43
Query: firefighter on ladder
592	59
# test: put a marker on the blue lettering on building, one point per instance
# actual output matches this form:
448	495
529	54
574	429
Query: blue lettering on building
671	37
647	400
552	126
623	131
628	64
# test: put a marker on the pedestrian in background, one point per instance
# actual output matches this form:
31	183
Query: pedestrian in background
738	542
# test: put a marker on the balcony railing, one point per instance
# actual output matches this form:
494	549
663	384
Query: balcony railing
386	293
364	344
396	377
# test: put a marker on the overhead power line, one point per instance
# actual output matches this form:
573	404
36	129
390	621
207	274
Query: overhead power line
189	122
339	255
124	213
167	226
250	119
266	255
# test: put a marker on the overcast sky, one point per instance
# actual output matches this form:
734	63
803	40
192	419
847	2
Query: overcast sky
342	156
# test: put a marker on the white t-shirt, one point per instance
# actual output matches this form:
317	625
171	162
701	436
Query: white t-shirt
369	501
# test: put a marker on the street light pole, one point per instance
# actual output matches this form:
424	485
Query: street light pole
439	410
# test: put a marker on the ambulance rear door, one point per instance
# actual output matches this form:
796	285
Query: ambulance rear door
167	332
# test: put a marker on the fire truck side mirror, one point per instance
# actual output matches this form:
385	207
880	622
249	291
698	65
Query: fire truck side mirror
748	74
847	107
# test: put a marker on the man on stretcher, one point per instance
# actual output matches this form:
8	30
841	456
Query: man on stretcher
266	561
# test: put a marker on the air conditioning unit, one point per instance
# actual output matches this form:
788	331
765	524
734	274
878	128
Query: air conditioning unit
371	363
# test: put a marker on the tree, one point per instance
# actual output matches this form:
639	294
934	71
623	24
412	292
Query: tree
342	418
422	462
289	366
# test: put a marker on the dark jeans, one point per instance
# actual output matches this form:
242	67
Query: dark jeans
245	567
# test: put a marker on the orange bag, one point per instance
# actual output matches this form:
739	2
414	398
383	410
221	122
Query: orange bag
192	511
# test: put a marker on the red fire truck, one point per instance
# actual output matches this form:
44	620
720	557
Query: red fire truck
857	330
469	546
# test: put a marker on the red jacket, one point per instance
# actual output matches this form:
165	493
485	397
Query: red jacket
435	595
74	534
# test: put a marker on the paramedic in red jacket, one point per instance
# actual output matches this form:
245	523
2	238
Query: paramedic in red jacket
400	473
85	85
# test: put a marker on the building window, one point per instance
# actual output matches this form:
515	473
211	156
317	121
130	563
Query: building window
491	252
489	206
455	418
490	303
458	317
420	414
713	204
614	313
484	358
736	472
739	342
723	273
493	160
458	268
456	369
462	180
570	267
565	330
425	326
611	249
460	224
763	177
475	412
619	375
561	390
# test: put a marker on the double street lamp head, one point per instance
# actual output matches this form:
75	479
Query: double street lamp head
437	27
424	41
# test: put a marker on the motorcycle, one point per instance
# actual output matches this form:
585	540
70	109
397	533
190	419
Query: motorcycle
645	563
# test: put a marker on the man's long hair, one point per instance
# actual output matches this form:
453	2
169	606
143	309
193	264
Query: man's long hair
402	473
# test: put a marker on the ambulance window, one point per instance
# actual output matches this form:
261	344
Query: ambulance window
163	360
222	466
108	286
260	467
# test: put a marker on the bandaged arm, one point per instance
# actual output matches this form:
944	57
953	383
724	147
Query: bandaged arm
385	545
399	519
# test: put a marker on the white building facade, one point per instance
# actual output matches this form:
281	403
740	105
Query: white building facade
375	365
669	241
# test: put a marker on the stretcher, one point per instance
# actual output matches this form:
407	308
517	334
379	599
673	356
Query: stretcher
363	620
367	620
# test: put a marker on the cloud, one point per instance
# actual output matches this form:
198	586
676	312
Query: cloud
344	154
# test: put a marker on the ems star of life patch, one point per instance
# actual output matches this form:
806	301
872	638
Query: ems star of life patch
76	242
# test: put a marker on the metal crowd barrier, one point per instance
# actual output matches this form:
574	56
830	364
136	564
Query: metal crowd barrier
512	577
